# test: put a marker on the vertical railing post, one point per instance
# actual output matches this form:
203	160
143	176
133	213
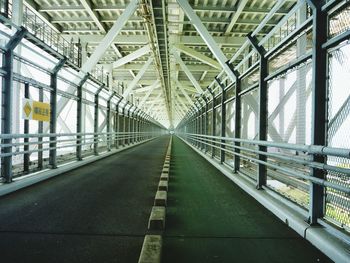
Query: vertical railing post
238	117
202	123
146	127
26	156
141	126
206	120
109	139
319	105
80	116
132	125
53	113
213	121
129	125
223	120
96	119
7	102
123	133
194	126
40	131
137	125
263	109
198	123
117	124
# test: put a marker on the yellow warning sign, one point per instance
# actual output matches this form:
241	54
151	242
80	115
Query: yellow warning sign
36	110
27	109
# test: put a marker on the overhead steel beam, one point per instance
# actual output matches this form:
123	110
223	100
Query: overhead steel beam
100	50
187	72
179	110
135	55
142	39
144	89
150	108
93	14
207	37
181	101
178	84
133	75
145	98
108	39
139	75
197	55
192	68
240	7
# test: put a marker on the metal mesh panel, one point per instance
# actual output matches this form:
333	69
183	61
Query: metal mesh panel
289	111
250	80
338	203
297	48
289	107
339	22
249	128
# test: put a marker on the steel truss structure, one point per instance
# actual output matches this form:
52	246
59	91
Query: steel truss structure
274	121
258	86
78	101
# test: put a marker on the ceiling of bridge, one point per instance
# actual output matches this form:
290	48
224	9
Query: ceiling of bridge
160	41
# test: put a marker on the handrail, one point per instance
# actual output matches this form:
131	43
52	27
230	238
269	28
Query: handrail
307	148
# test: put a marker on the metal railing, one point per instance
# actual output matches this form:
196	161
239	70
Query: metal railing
284	161
52	38
276	123
35	148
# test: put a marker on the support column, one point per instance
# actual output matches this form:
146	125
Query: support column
223	120
282	93
40	131
213	121
53	113
206	119
238	118
109	121
123	135
129	126
117	124
7	102
142	128
301	82
319	106
80	116
263	109
96	120
137	130
202	122
26	156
